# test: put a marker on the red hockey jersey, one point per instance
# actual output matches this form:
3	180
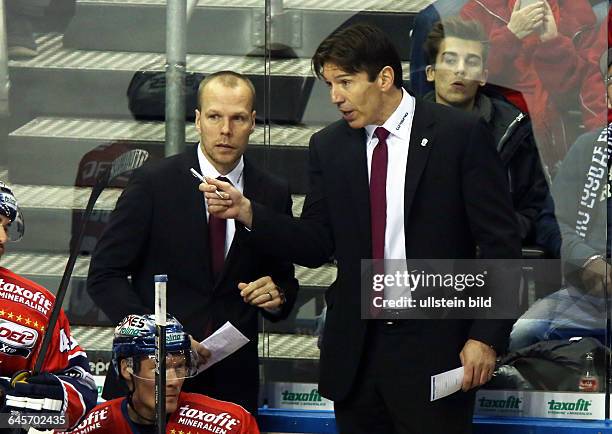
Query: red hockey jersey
198	414
25	308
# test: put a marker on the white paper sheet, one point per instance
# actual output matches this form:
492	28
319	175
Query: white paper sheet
446	383
223	342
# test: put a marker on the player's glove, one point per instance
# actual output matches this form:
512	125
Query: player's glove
42	393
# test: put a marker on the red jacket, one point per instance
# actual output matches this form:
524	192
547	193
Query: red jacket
198	414
541	78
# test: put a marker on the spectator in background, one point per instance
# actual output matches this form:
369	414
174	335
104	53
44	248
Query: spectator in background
424	21
456	51
592	93
536	43
584	210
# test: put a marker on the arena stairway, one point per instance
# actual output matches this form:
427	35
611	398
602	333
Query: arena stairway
69	105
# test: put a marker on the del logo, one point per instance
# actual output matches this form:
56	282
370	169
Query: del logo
301	398
579	405
17	335
512	402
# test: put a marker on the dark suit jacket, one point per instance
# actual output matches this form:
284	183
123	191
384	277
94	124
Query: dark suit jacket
159	226
456	198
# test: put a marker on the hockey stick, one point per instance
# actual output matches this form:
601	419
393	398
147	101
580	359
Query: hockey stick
121	165
160	352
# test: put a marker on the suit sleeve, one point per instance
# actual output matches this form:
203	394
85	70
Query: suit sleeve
493	224
283	273
119	251
306	241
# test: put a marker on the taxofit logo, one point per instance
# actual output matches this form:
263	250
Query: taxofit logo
33	299
301	398
510	403
580	405
213	422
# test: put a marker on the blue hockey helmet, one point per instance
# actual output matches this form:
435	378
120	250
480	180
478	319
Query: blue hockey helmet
10	209
134	339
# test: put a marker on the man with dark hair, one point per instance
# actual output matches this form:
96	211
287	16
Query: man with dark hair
456	52
161	225
395	178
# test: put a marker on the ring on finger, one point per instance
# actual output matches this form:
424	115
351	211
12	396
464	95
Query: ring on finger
271	296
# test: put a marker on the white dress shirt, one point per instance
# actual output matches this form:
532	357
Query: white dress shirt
399	126
237	180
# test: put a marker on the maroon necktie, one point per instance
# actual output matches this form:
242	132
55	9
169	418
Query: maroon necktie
378	194
216	235
378	209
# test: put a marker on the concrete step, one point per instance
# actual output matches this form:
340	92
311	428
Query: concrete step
47	269
42	266
53	213
57	151
234	28
64	81
100	339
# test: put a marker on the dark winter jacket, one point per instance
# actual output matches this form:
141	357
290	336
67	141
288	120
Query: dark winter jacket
517	149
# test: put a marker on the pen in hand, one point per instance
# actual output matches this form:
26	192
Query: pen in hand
202	179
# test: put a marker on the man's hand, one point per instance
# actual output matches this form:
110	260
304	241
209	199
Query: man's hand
262	293
549	29
478	360
233	205
202	352
525	21
595	275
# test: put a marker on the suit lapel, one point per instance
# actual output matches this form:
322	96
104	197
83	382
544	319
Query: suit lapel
355	166
197	223
421	140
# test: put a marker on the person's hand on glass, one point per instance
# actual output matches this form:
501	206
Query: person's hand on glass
549	27
524	21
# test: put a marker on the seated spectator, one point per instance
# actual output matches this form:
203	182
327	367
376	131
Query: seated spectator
133	359
584	211
64	386
424	21
537	61
593	106
456	56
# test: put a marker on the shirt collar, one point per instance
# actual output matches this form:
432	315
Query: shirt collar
398	123
209	170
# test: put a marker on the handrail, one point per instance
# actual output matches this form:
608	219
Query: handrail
4	71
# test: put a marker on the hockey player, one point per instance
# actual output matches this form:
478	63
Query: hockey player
133	358
65	386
